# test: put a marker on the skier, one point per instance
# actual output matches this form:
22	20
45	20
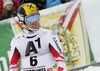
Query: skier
35	46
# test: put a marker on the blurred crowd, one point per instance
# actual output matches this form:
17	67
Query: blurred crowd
8	8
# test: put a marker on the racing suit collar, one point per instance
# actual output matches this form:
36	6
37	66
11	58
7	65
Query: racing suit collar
28	33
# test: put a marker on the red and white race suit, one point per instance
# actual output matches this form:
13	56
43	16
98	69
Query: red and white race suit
36	51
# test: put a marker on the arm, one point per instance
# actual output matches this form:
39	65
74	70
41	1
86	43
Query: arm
15	58
58	53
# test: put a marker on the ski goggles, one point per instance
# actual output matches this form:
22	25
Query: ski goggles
31	18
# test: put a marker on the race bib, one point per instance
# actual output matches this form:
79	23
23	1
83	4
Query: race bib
41	62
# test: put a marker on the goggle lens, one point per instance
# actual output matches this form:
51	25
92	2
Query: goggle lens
32	18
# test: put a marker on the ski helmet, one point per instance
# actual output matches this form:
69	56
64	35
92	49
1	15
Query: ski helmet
25	10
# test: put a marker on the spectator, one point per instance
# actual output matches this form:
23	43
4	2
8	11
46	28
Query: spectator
1	7
41	4
64	1
51	3
8	9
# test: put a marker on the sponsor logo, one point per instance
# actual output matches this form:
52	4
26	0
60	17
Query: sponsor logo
57	44
50	69
40	69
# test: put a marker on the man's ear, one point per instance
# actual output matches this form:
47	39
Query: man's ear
39	13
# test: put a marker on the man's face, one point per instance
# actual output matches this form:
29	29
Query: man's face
34	26
32	21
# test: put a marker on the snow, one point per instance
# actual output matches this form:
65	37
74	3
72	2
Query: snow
92	68
91	12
